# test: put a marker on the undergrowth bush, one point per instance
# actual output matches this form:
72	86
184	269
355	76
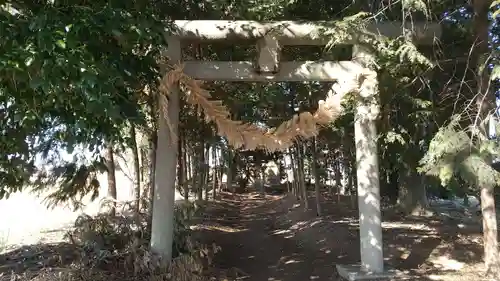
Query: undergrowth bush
119	246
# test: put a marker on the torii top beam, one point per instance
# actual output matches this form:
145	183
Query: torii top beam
293	32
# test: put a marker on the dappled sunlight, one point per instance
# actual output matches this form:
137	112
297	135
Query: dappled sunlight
276	237
410	244
403	225
292	261
262	248
217	228
280	231
446	263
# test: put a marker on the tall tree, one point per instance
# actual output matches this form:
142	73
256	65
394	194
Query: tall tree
137	168
111	172
485	110
316	176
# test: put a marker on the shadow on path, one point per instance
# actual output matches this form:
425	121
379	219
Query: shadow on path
250	251
273	239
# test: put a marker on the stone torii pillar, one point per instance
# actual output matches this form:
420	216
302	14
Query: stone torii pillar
367	172
270	36
162	221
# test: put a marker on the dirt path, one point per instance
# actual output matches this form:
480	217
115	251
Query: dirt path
250	250
273	239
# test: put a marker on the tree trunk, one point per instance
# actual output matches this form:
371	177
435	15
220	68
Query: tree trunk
412	194
329	169
287	174
338	178
295	183
198	175
110	167
393	185
229	176
195	177
137	169
152	145
181	170
189	164
214	172
185	178
281	170
350	167
145	161
490	235
231	171
485	103
262	185
220	169
292	170
346	165
351	184
200	171
152	172
302	184
316	176
206	169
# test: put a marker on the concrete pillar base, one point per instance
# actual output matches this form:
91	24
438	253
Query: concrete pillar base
356	272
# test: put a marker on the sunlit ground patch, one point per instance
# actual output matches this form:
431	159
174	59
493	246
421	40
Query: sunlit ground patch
221	228
404	225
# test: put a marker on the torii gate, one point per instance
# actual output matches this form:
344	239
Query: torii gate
269	37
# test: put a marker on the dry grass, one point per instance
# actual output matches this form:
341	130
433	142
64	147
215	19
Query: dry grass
261	238
98	248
